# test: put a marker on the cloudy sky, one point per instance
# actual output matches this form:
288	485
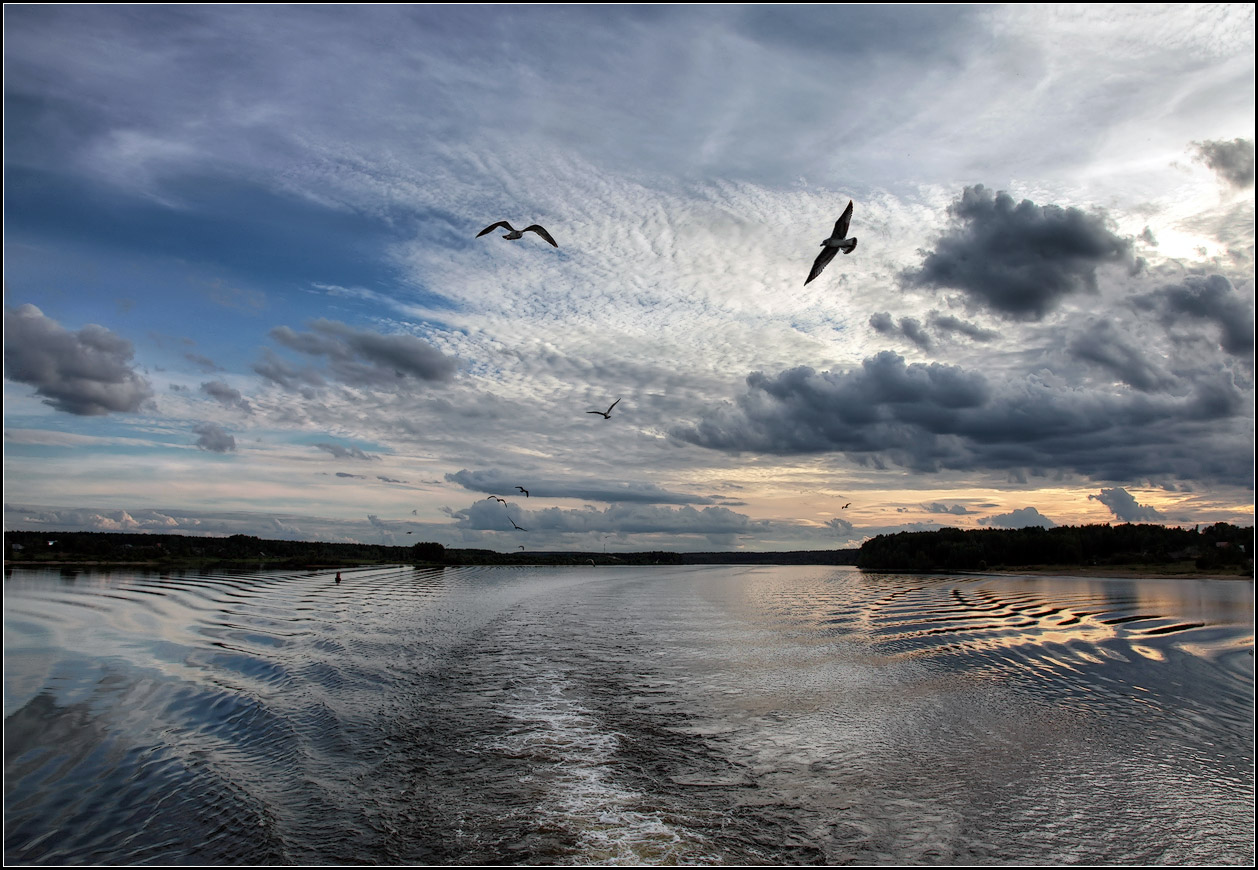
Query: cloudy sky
244	291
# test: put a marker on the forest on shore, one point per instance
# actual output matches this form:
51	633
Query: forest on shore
1221	548
26	547
1218	548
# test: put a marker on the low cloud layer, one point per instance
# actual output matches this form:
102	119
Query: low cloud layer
629	519
501	483
87	372
1018	259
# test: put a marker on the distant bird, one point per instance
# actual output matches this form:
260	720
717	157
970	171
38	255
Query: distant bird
846	506
838	241
521	546
410	533
515	234
523	490
521	528
607	415
500	498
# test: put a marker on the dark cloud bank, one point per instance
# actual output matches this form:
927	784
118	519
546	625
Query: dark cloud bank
936	417
1019	259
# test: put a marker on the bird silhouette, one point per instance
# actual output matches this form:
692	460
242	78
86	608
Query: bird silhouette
521	528
515	234
846	506
523	490
498	497
608	413
838	241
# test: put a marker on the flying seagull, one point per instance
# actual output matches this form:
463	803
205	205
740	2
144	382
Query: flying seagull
500	498
523	490
515	234
607	415
838	241
521	528
846	506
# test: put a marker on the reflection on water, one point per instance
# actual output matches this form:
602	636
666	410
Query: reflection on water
699	715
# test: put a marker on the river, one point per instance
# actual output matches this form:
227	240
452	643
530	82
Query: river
625	715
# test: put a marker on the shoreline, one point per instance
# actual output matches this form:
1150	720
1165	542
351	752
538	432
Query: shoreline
1115	572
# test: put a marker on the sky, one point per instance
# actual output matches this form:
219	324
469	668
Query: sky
245	293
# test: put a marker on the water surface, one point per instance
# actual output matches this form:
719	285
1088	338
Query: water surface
702	715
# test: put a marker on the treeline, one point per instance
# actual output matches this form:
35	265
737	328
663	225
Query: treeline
123	547
1221	546
137	548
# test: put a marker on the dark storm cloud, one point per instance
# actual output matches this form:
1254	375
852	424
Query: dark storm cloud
949	323
909	327
342	452
501	483
1124	506
1211	298
1233	161
214	438
935	417
228	396
368	359
1102	345
1018	519
882	323
86	372
1019	259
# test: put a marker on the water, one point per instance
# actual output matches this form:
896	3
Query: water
696	715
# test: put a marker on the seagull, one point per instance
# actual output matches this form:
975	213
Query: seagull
521	528
523	490
838	241
846	506
515	234
607	415
500	498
